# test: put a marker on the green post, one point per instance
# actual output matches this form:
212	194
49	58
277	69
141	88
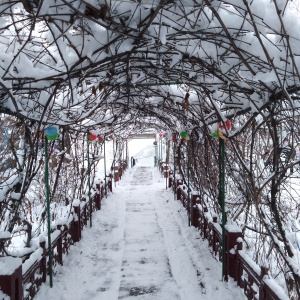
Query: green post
174	154
188	173
48	210
105	187
155	157
167	166
89	181
114	163
223	207
161	149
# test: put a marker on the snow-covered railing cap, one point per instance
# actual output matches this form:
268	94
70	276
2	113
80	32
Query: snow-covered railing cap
233	228
8	265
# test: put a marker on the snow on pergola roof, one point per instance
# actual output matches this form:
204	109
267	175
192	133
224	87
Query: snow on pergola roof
119	62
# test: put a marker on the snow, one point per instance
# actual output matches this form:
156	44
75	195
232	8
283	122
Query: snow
9	264
140	247
5	235
233	228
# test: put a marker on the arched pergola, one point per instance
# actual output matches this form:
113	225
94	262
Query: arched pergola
122	67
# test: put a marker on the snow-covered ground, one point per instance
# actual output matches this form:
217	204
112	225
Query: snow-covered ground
140	247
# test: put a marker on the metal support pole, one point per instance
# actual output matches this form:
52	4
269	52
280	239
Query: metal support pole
114	164
167	168
174	176
223	208
188	173
89	182
105	165
48	210
161	146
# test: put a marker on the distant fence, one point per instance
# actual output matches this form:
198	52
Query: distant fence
22	280
255	280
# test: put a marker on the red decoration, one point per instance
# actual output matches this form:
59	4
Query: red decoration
228	125
92	136
100	139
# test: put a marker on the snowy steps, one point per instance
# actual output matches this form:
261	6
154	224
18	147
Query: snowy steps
145	271
140	248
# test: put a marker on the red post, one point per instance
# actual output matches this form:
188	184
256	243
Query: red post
11	279
194	210
262	288
43	264
59	246
97	198
233	234
76	227
109	184
166	171
116	173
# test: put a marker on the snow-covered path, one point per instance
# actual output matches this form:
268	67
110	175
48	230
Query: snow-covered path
140	247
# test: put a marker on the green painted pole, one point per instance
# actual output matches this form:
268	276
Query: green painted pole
223	207
167	167
188	173
105	165
114	153
48	210
161	146
89	182
174	155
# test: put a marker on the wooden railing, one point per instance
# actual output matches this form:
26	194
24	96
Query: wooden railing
255	280
24	280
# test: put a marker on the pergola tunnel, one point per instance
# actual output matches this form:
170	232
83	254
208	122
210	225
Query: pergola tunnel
213	84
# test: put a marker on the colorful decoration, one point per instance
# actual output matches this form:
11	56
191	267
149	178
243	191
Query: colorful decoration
91	137
100	139
227	125
184	135
51	133
218	133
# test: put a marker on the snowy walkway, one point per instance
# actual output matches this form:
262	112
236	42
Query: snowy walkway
140	247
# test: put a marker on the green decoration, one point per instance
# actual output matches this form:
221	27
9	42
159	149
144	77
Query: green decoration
216	134
52	137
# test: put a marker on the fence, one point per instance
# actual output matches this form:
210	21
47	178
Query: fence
255	280
22	280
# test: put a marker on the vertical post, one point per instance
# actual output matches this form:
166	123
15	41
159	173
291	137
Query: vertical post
174	157
105	186
48	210
155	157
114	163
223	207
89	181
188	173
160	148
167	170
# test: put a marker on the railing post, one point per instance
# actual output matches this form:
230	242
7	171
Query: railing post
262	289
205	222
76	230
11	282
85	215
43	265
194	221
178	191
237	267
98	197
109	182
233	233
59	246
215	219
